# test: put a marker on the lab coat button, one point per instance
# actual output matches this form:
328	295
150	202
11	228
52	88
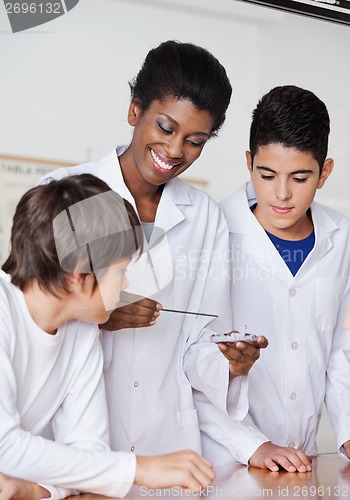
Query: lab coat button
136	384
132	448
293	396
292	292
294	345
291	445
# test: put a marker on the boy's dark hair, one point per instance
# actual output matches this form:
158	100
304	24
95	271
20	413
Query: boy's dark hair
55	232
293	117
183	71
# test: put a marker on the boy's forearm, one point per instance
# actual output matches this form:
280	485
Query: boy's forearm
36	492
30	491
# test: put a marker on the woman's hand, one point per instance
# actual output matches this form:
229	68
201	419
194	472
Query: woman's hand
133	311
242	355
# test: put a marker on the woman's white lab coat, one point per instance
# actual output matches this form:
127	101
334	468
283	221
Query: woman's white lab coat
151	371
308	357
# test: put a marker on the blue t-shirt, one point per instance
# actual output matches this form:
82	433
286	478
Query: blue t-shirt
293	253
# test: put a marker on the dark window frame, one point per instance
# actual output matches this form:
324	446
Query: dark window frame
320	10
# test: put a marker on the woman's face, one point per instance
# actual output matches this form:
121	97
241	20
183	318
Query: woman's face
167	138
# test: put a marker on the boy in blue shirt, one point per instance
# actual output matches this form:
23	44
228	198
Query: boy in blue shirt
290	273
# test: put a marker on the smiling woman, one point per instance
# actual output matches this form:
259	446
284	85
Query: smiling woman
178	101
172	119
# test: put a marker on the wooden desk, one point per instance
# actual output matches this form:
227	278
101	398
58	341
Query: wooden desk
329	479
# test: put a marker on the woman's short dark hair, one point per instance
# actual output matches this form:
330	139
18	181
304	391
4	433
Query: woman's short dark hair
73	224
183	71
293	117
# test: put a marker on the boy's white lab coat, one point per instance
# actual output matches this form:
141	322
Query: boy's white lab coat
308	357
150	370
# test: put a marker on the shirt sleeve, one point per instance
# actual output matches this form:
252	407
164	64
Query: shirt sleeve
57	493
205	366
241	439
338	376
81	460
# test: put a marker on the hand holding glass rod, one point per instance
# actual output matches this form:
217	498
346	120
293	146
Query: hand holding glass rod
189	312
127	298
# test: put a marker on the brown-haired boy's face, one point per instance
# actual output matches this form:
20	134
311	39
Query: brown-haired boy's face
285	182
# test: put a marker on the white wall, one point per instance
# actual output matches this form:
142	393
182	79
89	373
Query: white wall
64	92
64	88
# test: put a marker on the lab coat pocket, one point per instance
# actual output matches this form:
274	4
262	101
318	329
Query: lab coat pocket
189	430
329	292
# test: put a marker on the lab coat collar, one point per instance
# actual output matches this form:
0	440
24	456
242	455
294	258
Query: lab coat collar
250	236
109	170
240	219
324	228
169	214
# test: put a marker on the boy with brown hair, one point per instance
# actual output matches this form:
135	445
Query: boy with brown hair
71	243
